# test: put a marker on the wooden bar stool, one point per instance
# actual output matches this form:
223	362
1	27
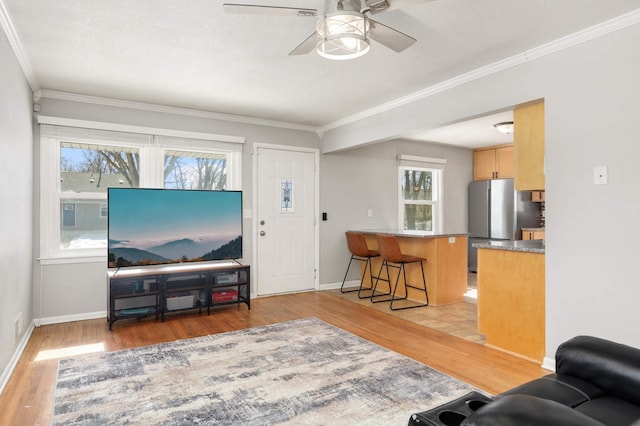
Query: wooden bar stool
392	257
357	245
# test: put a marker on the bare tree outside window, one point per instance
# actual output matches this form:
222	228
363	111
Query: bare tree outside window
93	168
185	170
417	186
123	163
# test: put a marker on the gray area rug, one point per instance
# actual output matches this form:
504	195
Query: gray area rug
302	372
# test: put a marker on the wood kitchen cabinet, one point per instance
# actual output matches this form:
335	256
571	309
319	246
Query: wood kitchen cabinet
494	162
511	301
528	138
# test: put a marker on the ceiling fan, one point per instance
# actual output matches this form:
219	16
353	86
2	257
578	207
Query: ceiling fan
344	30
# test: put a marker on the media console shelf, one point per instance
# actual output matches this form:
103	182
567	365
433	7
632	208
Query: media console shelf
161	290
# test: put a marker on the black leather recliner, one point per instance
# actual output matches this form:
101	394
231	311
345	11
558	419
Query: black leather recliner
597	382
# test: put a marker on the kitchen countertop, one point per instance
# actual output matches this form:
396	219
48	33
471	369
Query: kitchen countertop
533	229
417	234
529	246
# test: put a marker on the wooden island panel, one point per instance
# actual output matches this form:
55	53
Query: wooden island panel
445	269
511	301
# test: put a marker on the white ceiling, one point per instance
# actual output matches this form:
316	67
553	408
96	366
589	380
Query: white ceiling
470	133
193	55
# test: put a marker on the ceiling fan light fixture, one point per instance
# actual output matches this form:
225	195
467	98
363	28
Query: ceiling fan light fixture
343	35
505	127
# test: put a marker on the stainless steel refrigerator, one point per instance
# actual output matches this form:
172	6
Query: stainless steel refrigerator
498	212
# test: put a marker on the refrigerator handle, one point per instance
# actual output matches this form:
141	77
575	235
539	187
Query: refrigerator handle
489	210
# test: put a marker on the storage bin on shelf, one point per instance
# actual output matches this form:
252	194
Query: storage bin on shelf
227	278
180	302
225	295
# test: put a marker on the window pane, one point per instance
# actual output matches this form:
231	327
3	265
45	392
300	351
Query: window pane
195	170
83	224
418	217
94	168
417	185
88	168
286	195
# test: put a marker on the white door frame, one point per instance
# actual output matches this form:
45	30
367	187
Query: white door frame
254	203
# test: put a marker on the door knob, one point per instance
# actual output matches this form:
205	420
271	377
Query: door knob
262	233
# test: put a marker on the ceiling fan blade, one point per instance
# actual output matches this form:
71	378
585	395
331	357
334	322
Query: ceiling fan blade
378	6
393	39
306	46
253	9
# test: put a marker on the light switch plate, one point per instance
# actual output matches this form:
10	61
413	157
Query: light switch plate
600	175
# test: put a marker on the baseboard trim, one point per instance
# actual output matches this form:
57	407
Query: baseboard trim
336	286
549	364
17	354
71	318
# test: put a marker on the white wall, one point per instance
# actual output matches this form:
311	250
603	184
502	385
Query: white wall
356	180
16	211
591	100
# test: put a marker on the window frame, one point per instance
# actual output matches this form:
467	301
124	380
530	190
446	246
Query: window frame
423	164
151	149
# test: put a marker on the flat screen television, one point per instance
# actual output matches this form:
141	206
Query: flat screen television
162	226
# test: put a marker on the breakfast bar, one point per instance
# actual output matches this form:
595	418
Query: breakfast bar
445	268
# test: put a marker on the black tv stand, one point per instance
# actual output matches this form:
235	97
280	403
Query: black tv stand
163	290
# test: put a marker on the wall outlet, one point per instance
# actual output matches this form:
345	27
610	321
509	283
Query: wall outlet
17	327
370	213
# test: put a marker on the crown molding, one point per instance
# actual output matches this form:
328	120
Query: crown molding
66	96
596	31
430	91
591	33
571	40
16	45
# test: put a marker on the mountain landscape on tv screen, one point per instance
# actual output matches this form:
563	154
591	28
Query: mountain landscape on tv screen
186	248
230	250
183	250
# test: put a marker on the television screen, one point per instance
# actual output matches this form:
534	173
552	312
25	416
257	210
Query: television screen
158	226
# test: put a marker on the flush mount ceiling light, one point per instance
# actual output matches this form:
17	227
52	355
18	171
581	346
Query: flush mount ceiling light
505	127
343	35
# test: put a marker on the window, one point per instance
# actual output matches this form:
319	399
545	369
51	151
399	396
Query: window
286	195
86	171
420	194
195	170
80	164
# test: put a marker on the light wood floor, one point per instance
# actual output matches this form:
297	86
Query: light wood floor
457	319
27	398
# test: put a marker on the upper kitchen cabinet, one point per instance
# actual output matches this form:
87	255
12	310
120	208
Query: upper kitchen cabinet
528	137
494	162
